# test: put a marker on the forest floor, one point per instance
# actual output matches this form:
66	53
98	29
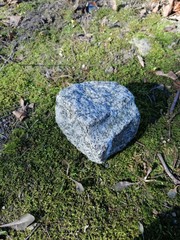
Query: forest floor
46	46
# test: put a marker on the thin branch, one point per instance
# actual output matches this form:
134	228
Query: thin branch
148	173
166	169
174	102
173	116
176	163
177	160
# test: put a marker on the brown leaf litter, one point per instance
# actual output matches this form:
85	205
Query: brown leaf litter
166	8
22	112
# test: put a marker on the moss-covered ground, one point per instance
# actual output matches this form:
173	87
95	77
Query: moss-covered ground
34	160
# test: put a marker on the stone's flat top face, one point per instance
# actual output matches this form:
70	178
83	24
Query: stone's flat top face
94	101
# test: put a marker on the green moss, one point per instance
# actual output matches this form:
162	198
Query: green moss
34	160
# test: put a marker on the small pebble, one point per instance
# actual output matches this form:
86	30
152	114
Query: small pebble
173	214
109	69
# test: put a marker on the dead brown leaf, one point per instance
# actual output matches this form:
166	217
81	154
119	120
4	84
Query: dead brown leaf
22	112
14	20
159	73
152	4
176	7
22	103
170	28
176	84
168	9
31	105
156	8
20	115
11	2
170	74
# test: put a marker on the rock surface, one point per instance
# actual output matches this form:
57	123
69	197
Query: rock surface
99	118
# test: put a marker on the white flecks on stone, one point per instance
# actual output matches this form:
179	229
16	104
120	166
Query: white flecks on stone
98	117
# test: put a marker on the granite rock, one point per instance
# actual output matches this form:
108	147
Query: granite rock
98	117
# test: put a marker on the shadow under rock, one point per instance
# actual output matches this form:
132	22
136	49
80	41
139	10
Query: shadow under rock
151	100
165	226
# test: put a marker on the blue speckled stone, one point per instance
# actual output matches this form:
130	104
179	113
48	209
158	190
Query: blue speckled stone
98	117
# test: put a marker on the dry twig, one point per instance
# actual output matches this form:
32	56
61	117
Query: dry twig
174	102
166	169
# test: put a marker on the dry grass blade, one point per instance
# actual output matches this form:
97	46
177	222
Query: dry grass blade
141	60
